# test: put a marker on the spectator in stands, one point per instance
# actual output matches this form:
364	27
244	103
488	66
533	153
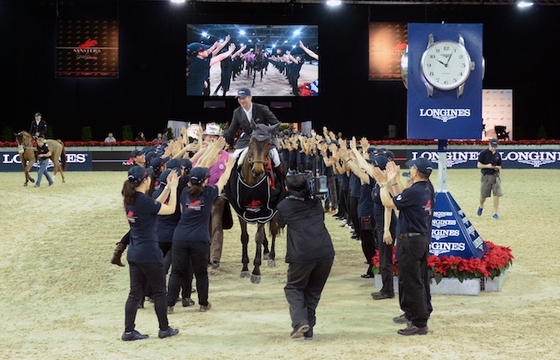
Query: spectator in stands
110	138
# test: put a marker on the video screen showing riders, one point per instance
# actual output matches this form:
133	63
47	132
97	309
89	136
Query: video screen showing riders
271	60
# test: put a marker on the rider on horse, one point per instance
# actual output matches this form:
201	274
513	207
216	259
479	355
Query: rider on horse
246	117
38	127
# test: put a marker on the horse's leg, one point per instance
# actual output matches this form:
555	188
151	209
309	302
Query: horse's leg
25	170
244	252
265	246
259	238
26	164
28	168
58	168
254	75
274	230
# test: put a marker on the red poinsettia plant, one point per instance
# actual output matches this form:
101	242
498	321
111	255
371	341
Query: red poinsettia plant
492	264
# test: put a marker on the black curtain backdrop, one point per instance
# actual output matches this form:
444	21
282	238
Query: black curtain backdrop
518	49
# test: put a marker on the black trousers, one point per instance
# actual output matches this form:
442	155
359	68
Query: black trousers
385	261
414	286
303	290
140	276
368	248
188	258
343	201
353	212
332	200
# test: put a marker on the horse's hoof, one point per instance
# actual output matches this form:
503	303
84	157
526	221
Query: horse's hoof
256	279
265	256
24	184
244	274
271	263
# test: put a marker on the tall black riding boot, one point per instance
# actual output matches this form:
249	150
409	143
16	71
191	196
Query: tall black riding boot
116	259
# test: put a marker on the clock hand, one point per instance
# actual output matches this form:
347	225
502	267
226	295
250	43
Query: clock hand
441	62
449	58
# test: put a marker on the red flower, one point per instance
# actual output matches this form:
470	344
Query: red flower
493	263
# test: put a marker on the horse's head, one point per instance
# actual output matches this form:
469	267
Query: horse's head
23	139
259	147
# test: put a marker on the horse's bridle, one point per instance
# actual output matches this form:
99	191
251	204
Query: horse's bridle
21	146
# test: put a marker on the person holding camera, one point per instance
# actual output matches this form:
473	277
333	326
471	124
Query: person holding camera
309	253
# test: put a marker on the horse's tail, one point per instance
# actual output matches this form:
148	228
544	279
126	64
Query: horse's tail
62	155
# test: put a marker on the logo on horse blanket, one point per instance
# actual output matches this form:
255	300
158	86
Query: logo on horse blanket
255	203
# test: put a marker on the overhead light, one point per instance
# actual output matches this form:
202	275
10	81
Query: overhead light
334	2
178	1
524	3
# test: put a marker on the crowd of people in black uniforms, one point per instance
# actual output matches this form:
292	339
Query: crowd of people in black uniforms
363	192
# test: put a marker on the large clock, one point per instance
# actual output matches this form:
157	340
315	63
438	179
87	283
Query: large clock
446	65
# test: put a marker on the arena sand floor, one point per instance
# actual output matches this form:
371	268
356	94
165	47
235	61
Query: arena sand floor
61	299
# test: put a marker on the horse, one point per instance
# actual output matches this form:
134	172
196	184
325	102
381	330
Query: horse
249	62
260	63
27	151
254	192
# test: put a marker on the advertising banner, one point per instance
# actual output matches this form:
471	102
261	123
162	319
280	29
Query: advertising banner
387	42
445	70
87	48
511	159
75	160
452	232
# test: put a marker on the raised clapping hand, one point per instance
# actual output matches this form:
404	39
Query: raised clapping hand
365	143
392	170
173	180
379	175
353	143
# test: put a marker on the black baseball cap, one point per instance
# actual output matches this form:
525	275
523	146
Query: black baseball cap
243	93
137	173
198	175
136	152
423	165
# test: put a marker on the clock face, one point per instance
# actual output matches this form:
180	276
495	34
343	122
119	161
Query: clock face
446	64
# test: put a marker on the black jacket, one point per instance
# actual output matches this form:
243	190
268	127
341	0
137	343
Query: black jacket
40	128
261	115
308	240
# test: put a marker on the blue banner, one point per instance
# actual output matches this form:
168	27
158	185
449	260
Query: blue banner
452	232
444	110
511	159
75	160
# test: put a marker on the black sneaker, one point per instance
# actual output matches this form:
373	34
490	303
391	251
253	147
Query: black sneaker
188	302
162	334
413	330
400	319
382	295
299	331
133	335
308	335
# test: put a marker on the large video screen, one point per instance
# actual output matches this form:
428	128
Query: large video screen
270	60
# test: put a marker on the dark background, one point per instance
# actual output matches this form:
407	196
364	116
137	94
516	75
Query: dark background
520	49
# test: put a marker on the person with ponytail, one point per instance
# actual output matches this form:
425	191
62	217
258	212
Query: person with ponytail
145	258
191	238
309	253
